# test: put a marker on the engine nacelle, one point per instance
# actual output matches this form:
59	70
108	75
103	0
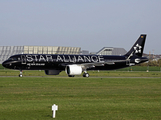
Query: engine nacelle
52	72
73	70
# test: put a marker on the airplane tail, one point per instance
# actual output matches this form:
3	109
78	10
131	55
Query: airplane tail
137	48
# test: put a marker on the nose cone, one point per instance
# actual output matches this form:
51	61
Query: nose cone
5	64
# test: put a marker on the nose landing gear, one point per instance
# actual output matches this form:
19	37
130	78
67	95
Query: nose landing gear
20	75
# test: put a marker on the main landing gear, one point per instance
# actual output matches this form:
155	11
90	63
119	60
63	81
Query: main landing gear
85	74
20	75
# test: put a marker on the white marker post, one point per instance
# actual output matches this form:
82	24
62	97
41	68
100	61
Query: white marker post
54	108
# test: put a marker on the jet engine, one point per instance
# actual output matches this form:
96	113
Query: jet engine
52	72
73	70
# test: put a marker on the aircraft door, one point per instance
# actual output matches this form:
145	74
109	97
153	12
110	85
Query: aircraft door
128	62
23	59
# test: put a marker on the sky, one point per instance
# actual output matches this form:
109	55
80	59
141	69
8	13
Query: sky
89	24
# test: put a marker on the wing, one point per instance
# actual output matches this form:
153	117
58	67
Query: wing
94	64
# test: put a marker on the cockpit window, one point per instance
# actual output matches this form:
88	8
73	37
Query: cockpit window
13	59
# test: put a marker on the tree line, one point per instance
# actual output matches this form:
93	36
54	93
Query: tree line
152	63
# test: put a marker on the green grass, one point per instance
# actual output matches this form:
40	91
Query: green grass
92	73
80	98
1	67
141	68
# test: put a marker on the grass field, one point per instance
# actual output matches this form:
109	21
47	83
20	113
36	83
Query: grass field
31	98
91	73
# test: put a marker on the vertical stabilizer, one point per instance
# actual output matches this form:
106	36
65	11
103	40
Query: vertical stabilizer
137	48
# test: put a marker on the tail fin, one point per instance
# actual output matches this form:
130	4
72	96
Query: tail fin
137	48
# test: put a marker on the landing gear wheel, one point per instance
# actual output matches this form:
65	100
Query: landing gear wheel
20	75
85	75
70	75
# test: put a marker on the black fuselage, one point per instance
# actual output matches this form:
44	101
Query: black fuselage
58	62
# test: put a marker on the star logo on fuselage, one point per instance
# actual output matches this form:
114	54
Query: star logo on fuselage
137	48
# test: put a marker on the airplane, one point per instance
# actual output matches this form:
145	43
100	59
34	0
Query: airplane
73	65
